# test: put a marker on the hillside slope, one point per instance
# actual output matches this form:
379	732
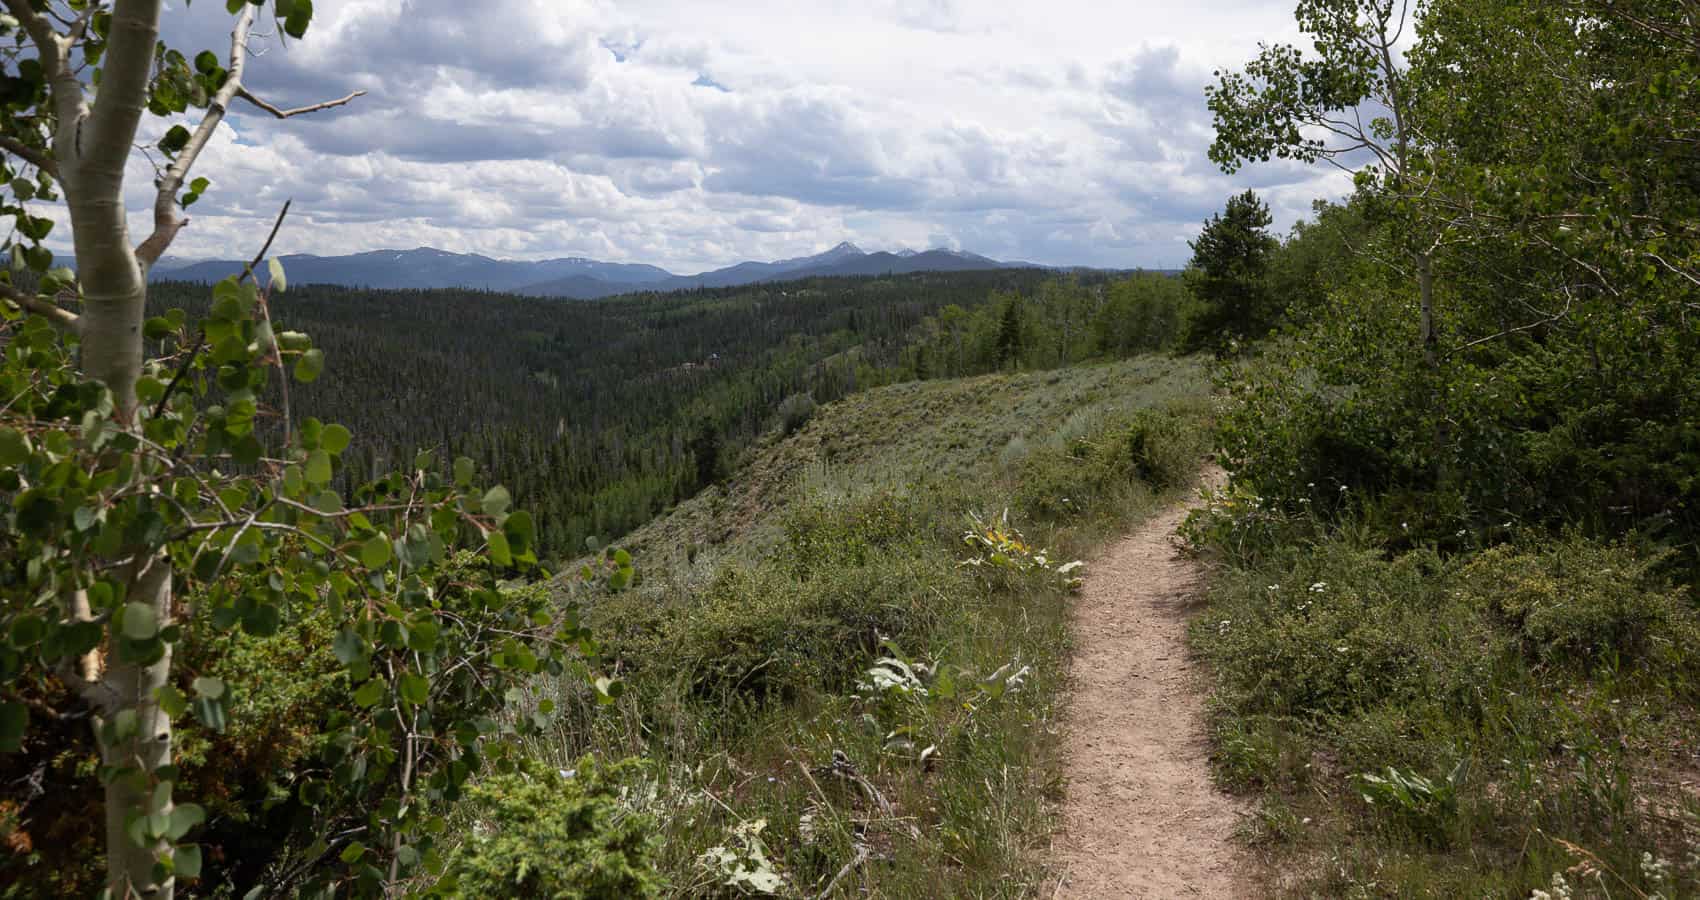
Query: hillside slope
830	689
928	432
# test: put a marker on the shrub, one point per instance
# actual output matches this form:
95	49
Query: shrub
1580	603
795	412
539	834
1162	449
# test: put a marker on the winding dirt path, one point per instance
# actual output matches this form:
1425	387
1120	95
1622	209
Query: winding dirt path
1141	817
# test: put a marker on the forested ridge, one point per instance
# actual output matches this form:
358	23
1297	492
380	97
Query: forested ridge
608	411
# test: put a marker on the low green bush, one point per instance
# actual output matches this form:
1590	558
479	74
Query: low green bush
1581	603
546	834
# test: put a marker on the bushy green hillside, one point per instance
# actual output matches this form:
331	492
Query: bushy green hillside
928	435
815	678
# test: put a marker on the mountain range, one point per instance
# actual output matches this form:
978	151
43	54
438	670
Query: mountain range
573	277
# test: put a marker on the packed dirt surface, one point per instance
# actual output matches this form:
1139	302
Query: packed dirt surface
1141	817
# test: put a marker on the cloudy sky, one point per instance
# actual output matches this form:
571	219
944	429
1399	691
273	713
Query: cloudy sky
695	134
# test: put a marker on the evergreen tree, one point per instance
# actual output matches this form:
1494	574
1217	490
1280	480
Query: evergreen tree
1010	341
1228	275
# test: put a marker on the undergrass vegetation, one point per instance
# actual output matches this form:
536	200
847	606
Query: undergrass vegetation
1493	724
849	686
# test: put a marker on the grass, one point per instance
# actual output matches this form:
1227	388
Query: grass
1473	726
766	743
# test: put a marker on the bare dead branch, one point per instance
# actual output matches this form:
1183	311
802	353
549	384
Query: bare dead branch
248	95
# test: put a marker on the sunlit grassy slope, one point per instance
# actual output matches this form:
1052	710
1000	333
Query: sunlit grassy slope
926	433
746	650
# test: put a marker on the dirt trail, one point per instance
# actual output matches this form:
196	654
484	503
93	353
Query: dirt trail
1141	818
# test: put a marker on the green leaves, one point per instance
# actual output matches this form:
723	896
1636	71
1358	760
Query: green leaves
14	447
14	721
208	705
334	439
496	501
296	16
419	625
318	467
139	622
310	366
174	141
413	688
375	553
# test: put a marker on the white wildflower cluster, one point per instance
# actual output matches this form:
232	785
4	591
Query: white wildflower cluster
1560	889
1319	587
1655	869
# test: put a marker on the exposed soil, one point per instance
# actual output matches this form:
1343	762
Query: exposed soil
1141	817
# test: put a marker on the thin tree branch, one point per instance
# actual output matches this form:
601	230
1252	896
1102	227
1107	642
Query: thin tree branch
248	95
30	155
201	336
54	313
265	248
81	26
1511	331
167	221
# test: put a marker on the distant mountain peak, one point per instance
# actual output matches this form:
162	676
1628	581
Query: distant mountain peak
577	276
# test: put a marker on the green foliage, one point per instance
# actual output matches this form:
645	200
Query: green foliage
1584	606
1142	314
388	576
1228	276
1344	673
539	833
1425	807
794	412
605	399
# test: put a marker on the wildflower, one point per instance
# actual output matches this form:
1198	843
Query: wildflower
1655	870
1319	587
1274	587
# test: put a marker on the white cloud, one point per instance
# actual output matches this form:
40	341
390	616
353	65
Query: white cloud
1071	131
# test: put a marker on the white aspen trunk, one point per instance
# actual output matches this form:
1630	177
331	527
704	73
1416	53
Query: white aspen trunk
129	866
92	147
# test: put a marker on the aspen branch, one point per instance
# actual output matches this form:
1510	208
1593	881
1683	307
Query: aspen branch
81	26
249	96
201	335
167	221
54	313
54	55
1511	331
30	155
